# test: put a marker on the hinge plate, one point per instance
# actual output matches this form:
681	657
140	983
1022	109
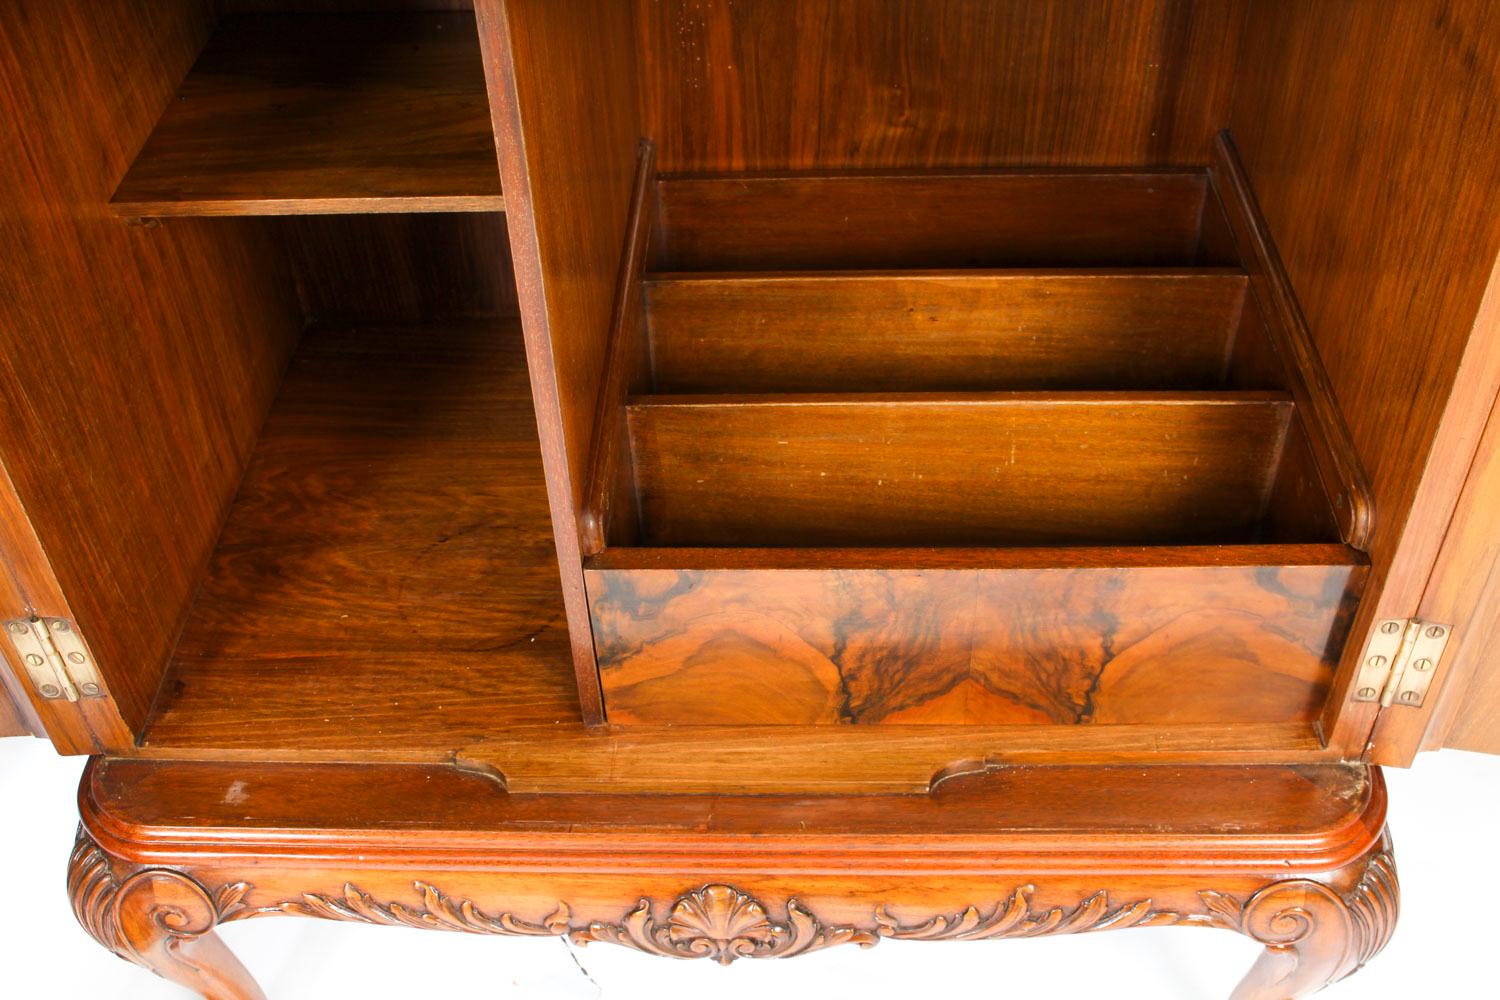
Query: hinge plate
55	657
1399	661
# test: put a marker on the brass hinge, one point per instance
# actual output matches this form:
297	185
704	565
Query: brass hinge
1399	661
55	657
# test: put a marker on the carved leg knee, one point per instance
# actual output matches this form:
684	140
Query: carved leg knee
1315	936
159	919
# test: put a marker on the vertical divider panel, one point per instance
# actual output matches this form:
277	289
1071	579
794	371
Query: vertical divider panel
562	82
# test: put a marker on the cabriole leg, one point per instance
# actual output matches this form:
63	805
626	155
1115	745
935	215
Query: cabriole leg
1315	936
159	919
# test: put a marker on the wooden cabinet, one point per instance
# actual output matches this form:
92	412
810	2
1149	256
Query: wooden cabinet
858	412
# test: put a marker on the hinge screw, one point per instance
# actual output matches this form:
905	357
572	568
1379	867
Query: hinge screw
50	691
1436	632
1390	627
19	628
1368	692
1377	661
1410	697
60	627
1422	664
91	689
76	657
32	660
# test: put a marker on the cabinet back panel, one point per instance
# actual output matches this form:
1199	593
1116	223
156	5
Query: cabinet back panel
1070	644
138	363
852	221
402	268
839	84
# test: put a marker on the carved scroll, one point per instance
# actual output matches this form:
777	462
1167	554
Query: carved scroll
163	919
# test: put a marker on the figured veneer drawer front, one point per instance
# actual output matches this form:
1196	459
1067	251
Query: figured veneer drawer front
1207	643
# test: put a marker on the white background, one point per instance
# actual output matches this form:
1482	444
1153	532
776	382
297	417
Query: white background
1444	813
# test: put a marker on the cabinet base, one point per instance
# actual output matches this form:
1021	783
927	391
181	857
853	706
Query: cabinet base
167	852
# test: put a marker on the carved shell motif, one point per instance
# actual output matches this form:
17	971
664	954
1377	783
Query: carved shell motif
722	923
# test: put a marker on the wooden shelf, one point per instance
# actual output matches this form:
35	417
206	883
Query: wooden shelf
295	114
386	574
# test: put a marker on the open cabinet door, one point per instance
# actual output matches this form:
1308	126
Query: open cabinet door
136	366
1368	133
1462	707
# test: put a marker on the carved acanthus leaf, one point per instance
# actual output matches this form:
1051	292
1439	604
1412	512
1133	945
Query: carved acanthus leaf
438	912
723	923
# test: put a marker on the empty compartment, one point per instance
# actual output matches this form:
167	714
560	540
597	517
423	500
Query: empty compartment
967	330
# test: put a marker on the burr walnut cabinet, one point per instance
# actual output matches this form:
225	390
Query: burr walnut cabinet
734	479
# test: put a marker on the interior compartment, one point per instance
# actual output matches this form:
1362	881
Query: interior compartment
347	111
875	406
959	448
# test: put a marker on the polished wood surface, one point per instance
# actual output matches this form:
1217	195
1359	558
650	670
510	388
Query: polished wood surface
401	268
1299	816
387	566
1132	637
1272	317
292	114
1369	134
837	84
710	760
1032	468
936	330
1293	858
1462	709
1024	218
138	363
549	67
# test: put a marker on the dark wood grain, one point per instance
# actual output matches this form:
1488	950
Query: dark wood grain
928	220
293	114
833	84
401	268
935	330
136	364
549	67
387	566
1089	642
981	469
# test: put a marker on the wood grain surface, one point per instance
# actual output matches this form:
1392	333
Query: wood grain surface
388	563
550	66
1371	136
935	330
981	469
401	268
157	806
136	364
1024	218
1167	642
837	84
159	863
287	114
